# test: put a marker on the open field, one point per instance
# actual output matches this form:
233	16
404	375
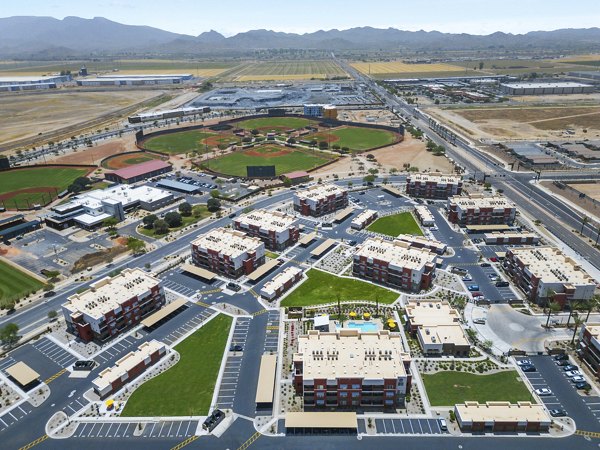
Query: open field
523	66
120	161
26	115
403	223
274	123
322	287
283	158
14	284
176	143
185	389
592	190
287	70
398	69
22	188
450	388
356	138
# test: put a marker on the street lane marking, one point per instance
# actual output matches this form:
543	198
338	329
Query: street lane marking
591	434
250	441
186	442
34	443
55	376
258	313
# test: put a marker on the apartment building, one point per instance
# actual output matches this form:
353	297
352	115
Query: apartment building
394	263
320	199
494	417
128	368
350	369
433	185
498	238
276	229
423	242
364	219
539	271
113	305
477	209
228	252
281	283
436	325
589	346
424	216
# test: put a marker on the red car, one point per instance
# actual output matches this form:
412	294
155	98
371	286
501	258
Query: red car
494	259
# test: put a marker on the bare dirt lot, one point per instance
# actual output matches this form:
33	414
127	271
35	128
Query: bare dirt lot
27	114
590	189
93	155
572	196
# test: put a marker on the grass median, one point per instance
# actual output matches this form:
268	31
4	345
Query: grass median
186	389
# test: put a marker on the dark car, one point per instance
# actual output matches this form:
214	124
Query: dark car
213	420
528	368
231	216
83	365
352	243
49	294
236	348
484	264
563	363
561	357
570	367
502	284
233	286
583	385
557	412
361	193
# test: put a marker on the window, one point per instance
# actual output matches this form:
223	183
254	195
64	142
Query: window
356	386
389	402
320	386
389	394
343	394
320	394
355	394
343	386
320	402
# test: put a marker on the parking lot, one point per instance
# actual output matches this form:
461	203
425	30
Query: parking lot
55	352
192	323
231	373
116	350
126	429
75	405
408	426
14	415
188	286
585	410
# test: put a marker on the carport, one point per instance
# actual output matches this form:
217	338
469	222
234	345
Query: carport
391	190
266	380
343	214
487	228
318	252
321	423
308	239
263	270
206	275
159	315
23	374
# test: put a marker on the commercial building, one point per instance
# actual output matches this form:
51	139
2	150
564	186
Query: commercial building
589	346
477	209
321	110
276	229
139	172
228	252
134	80
90	209
436	325
112	305
26	87
540	271
350	369
433	185
128	368
566	87
511	238
320	199
17	226
297	177
34	80
364	219
424	215
281	283
495	417
395	264
423	242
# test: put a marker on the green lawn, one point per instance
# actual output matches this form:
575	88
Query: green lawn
52	179
363	138
202	210
186	389
235	163
15	284
282	123
450	388
322	287
403	223
176	143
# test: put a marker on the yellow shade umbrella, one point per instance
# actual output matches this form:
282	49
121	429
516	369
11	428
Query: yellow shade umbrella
367	315
352	314
392	324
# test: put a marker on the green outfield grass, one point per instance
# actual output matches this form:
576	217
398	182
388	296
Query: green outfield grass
15	284
450	388
51	179
235	163
186	389
176	143
403	223
362	138
281	123
322	287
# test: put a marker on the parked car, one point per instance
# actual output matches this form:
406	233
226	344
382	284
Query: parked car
557	412
494	259
577	379
543	392
524	362
583	385
213	420
49	294
443	424
528	368
561	357
573	373
236	348
484	264
501	283
479	320
563	363
570	367
467	278
473	287
234	287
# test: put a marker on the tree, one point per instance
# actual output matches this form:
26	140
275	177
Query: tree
110	223
481	65
592	304
291	141
576	322
185	209
9	334
255	132
52	315
161	227
215	193
79	184
287	182
369	178
149	220
553	307
323	145
173	219
584	220
213	204
136	246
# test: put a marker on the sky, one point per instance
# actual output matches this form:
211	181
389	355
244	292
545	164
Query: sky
233	16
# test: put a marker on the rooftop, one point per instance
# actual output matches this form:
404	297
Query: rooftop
108	294
228	242
348	353
502	412
422	241
551	265
475	201
141	169
435	177
280	279
564	84
397	253
320	191
593	328
268	220
429	313
364	216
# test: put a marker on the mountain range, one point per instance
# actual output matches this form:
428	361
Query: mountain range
47	37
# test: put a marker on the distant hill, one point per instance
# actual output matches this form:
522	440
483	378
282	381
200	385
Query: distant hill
28	36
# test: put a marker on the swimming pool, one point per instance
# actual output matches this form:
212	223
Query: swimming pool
364	327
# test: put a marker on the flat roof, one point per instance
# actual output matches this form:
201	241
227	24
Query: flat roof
262	270
423	241
266	379
232	243
397	253
435	177
280	279
343	214
319	192
321	420
477	201
159	315
22	373
565	84
323	247
498	227
40	79
125	194
502	412
267	220
178	186
198	271
308	238
141	169
364	216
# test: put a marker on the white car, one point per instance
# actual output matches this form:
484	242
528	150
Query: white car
577	379
443	425
543	392
573	373
467	278
524	362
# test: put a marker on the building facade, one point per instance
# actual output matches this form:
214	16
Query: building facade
477	209
545	272
364	219
348	369
424	215
113	305
433	185
395	264
589	346
277	230
281	283
496	238
495	417
320	199
228	252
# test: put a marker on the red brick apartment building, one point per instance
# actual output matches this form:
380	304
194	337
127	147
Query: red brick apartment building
589	346
277	230
477	209
320	199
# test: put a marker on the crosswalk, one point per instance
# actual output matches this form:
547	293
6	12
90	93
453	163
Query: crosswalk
272	332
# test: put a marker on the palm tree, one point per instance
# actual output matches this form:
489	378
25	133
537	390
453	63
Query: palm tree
576	322
584	220
592	304
571	312
553	307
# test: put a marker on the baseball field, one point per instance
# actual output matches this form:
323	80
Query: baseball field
22	188
356	138
117	162
14	284
284	159
177	143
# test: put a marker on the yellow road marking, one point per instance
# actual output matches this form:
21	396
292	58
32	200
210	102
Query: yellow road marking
34	443
186	442
258	313
273	327
250	441
591	434
55	376
206	305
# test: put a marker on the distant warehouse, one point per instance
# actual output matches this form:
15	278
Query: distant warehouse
134	80
566	87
